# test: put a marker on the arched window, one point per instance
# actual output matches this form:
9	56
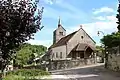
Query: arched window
60	54
56	54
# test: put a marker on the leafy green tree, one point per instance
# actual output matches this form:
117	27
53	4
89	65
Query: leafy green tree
100	51
111	40
118	17
18	23
27	53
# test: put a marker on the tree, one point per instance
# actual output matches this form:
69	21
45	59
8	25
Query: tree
100	51
111	40
27	53
18	23
118	17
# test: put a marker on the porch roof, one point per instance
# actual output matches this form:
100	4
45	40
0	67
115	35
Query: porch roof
83	47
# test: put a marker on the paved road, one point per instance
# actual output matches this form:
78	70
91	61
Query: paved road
96	72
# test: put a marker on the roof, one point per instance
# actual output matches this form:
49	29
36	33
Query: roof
61	26
63	40
88	35
82	47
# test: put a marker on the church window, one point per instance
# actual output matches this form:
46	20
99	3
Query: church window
82	37
60	54
56	55
53	56
61	33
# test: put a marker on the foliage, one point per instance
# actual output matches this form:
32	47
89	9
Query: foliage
100	51
25	74
111	40
118	17
18	23
27	53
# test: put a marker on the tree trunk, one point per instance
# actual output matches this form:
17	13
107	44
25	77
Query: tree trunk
1	73
2	67
106	58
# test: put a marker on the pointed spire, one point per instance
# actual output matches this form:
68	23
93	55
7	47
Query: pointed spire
59	22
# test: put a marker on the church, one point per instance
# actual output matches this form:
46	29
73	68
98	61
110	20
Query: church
77	45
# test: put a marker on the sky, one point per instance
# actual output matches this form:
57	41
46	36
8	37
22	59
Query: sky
93	15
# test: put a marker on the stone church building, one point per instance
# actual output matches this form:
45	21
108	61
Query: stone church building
74	49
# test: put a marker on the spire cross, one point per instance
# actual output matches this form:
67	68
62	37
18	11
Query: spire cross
80	26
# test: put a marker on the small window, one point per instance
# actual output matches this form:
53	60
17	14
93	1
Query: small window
82	37
52	55
56	55
60	54
61	33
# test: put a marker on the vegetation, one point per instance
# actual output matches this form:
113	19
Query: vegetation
18	23
27	53
100	50
26	74
113	40
118	17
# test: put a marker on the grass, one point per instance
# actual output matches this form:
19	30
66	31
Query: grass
26	74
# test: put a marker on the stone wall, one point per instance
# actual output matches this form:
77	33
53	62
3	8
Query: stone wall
56	65
114	62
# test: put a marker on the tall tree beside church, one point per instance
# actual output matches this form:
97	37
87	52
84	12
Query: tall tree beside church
114	38
18	23
118	17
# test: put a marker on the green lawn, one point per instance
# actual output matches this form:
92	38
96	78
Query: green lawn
26	74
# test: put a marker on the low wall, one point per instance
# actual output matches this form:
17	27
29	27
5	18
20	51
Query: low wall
55	65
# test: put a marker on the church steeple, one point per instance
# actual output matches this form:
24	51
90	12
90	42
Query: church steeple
59	33
59	22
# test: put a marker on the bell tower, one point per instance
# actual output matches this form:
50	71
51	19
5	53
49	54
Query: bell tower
59	33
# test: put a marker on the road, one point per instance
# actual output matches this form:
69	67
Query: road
96	72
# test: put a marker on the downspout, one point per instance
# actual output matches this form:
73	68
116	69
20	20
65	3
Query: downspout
66	56
66	50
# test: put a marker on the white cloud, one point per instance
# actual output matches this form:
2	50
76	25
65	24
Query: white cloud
106	18
46	43
92	28
103	9
100	18
49	1
111	18
107	26
52	1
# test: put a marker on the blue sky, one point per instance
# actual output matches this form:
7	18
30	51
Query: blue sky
93	15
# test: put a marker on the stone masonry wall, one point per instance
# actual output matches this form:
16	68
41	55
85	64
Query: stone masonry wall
56	65
114	62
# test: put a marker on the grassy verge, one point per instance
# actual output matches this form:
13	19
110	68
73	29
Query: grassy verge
26	74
